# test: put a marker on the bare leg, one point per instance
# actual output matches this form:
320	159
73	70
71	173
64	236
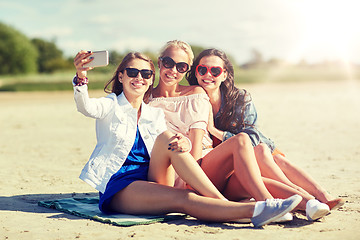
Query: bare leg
236	154
234	191
302	179
151	198
161	171
270	169
280	190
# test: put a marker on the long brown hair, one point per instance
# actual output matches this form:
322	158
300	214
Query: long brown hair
233	98
117	86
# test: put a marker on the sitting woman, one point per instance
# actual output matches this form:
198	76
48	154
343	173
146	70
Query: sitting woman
232	166
233	113
132	165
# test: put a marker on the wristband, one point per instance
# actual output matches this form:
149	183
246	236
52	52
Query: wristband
81	81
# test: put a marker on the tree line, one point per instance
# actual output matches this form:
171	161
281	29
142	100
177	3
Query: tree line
21	55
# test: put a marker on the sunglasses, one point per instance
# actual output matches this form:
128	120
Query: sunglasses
215	71
168	62
133	72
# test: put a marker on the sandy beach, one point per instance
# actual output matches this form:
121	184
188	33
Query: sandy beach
44	143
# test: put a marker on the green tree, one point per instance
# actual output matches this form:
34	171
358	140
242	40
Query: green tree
50	57
115	58
197	49
17	53
153	56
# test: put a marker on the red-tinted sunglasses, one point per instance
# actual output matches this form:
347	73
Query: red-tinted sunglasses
215	71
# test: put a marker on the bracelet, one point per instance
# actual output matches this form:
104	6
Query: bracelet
81	81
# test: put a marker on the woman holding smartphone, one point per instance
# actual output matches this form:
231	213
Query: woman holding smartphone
132	165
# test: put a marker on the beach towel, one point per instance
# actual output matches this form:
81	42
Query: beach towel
88	208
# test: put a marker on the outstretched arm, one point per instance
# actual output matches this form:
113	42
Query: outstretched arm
95	108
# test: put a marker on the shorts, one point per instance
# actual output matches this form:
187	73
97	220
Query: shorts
277	151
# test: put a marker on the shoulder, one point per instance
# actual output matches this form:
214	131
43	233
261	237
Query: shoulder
190	90
112	96
197	90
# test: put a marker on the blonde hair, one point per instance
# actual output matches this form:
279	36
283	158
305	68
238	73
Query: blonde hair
181	45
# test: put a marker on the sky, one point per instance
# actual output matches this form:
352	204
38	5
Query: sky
291	30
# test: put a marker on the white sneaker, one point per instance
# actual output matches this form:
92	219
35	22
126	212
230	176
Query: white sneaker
316	210
275	208
286	218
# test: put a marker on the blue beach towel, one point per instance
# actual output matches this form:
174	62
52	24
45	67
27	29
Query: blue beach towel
88	208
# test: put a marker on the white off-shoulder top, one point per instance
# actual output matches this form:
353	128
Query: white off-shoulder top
186	112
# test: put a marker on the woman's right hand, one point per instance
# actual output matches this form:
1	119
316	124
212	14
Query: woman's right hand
80	60
180	143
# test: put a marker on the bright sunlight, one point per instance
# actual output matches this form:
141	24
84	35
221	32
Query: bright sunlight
328	27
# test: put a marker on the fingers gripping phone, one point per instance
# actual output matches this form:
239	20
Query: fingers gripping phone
101	58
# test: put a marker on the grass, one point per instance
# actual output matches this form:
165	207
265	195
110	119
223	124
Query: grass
61	81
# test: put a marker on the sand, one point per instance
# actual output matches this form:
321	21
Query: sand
44	143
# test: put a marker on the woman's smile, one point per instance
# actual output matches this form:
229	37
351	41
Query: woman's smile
138	84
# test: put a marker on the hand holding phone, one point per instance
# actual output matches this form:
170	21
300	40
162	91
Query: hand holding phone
99	59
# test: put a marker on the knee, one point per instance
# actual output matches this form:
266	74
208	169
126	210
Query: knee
262	149
183	200
165	137
241	140
263	154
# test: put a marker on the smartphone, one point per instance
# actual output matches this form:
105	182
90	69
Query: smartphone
101	58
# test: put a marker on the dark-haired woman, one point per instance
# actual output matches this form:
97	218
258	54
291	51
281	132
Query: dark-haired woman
234	113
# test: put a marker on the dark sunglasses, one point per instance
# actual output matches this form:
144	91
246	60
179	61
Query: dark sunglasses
168	62
215	71
133	72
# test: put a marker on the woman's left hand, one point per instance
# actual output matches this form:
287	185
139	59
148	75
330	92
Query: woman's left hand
179	143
